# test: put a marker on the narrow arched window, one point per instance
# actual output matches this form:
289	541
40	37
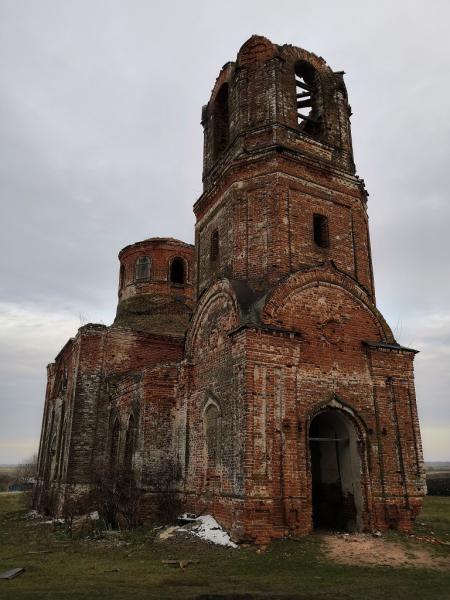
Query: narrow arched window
50	439
320	227
308	113
177	271
63	378
212	434
114	452
129	444
121	276
143	268
221	121
214	251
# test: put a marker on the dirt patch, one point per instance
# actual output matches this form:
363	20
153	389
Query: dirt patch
365	549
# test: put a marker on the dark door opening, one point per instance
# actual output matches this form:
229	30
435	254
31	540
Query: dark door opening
335	473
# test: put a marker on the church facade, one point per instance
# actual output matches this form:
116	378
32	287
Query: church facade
255	361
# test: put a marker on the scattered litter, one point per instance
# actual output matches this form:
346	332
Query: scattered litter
376	534
39	552
181	563
116	570
94	516
11	573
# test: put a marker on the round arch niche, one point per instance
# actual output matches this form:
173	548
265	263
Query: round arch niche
335	472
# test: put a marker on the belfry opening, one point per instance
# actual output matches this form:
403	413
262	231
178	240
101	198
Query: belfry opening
335	472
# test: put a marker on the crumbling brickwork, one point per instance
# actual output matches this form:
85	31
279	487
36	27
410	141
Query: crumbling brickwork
256	363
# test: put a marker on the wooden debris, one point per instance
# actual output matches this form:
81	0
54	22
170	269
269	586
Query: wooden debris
181	563
11	573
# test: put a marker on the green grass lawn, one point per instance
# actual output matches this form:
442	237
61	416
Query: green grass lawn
129	565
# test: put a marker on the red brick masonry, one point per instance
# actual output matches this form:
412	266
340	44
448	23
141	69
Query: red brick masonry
255	362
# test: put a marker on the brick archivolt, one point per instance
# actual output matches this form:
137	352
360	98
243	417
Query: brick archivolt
335	402
325	276
220	292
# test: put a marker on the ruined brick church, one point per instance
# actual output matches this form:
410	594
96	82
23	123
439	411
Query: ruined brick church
256	360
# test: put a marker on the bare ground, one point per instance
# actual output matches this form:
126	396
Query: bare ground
364	549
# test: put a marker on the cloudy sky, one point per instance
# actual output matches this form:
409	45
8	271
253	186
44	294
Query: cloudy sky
101	146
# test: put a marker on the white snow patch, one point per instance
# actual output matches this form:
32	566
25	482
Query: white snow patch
33	514
54	522
207	528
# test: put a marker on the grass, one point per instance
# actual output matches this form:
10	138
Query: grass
434	520
129	565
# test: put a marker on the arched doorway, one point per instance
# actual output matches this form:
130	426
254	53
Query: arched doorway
335	472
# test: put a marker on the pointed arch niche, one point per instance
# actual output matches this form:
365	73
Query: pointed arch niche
212	422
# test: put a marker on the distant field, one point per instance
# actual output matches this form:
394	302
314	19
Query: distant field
7	468
443	467
7	473
438	474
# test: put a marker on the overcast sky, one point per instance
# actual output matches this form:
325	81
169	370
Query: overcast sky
101	146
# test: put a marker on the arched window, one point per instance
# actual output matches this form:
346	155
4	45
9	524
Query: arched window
143	268
212	434
63	378
114	453
221	121
320	226
121	276
177	270
214	250
308	114
129	444
60	440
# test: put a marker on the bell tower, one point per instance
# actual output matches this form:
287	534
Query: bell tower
280	190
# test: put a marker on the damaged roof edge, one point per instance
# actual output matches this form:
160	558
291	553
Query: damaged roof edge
388	346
